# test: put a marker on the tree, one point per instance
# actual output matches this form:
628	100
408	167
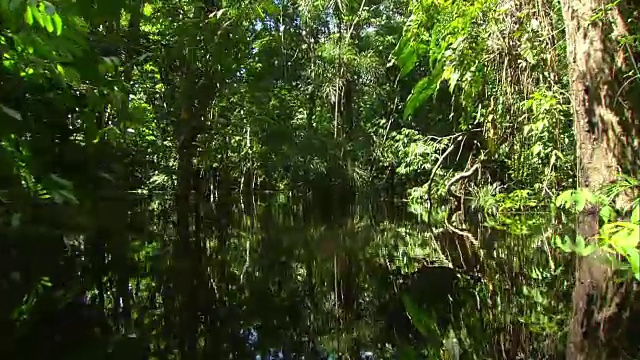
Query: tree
606	132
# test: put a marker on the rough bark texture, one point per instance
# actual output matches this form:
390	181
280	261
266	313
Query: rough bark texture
606	131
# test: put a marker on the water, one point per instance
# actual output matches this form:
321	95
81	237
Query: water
303	277
321	277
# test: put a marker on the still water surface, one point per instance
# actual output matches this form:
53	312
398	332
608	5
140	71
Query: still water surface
318	277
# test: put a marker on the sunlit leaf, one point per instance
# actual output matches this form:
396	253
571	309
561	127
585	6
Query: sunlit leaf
537	148
579	202
575	199
37	15
57	22
147	10
563	245
420	93
564	198
28	16
48	23
45	281
633	256
580	243
607	213
621	234
407	57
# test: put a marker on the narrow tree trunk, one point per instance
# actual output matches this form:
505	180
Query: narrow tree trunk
184	245
604	126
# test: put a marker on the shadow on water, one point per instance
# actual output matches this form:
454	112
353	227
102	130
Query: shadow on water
295	277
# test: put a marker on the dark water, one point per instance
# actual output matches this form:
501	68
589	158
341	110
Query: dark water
294	276
323	275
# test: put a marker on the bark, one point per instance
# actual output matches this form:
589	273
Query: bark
605	127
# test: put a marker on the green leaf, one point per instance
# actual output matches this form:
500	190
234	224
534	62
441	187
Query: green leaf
48	23
579	201
634	260
147	10
418	317
621	235
563	245
407	57
575	199
607	213
453	80
588	196
420	93
28	16
564	198
57	22
590	249
537	148
635	215
580	243
105	132
45	281
37	15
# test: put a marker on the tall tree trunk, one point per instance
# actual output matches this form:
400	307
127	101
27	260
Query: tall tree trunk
184	246
605	126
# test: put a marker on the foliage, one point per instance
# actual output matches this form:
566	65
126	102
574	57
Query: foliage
147	142
618	236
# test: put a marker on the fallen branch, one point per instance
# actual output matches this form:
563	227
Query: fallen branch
433	175
467	235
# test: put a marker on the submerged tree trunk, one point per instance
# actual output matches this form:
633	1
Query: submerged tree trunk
605	127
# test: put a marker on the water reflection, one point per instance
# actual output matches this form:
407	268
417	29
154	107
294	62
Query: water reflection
316	277
322	278
276	276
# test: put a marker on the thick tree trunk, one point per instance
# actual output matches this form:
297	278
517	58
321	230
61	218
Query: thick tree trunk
605	127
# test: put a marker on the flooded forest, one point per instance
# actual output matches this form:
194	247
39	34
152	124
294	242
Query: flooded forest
319	179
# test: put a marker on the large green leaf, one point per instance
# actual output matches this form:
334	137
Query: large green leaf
422	320
420	93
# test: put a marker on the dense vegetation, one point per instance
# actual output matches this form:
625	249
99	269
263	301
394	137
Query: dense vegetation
184	179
